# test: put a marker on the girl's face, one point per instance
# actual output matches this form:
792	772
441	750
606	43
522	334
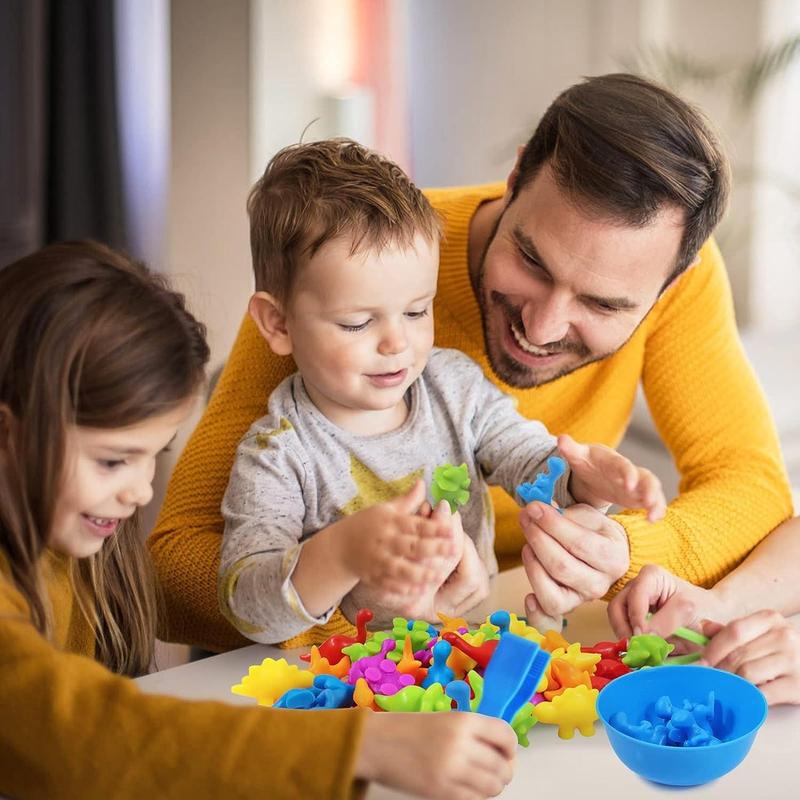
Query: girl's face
108	474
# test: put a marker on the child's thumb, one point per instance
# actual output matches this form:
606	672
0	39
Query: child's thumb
410	502
710	628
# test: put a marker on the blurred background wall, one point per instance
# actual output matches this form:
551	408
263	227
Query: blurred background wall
201	93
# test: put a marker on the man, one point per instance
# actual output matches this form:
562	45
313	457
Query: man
588	271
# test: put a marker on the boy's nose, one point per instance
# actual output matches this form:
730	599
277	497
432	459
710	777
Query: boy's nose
393	340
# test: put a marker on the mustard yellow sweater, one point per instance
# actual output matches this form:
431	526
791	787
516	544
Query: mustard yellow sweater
69	728
703	395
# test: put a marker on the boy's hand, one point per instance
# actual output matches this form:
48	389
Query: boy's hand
601	475
427	602
466	586
391	547
764	648
673	601
425	754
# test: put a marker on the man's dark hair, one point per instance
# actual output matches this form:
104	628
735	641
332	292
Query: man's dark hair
622	146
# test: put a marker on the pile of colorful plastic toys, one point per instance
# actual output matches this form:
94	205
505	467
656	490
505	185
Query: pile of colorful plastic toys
503	668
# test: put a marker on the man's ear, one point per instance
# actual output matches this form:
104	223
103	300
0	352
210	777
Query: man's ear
697	259
511	180
270	319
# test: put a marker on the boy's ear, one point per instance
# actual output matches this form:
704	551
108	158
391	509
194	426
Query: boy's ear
270	319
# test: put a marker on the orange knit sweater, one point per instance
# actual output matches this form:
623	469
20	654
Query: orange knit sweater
70	728
702	393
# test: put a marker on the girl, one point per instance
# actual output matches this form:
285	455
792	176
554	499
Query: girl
99	364
757	643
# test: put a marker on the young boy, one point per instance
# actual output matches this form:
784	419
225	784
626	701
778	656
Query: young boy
324	500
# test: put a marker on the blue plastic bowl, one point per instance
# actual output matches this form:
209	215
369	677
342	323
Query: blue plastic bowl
743	704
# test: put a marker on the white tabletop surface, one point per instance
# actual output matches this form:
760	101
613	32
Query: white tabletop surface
583	768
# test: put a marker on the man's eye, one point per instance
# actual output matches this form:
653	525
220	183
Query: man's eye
605	308
532	262
354	328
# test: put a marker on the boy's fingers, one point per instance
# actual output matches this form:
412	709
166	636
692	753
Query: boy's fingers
417	548
427	528
411	501
570	449
442	510
630	475
430	548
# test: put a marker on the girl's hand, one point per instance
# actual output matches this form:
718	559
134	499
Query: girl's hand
674	603
450	756
763	648
601	476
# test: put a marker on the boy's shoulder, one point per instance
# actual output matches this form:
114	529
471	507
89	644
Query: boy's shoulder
282	417
445	363
454	376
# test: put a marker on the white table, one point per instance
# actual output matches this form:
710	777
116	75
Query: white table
549	768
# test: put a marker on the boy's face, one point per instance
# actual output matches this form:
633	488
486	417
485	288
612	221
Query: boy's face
360	326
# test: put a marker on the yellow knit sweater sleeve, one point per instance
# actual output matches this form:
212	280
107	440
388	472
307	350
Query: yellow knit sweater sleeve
69	728
712	415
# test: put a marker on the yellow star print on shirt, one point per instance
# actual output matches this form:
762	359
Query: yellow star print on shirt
262	438
372	489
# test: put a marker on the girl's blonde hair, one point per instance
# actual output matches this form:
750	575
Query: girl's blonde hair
88	338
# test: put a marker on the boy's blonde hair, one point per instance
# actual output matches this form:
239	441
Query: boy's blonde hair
312	193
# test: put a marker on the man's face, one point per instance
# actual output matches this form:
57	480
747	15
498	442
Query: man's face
559	287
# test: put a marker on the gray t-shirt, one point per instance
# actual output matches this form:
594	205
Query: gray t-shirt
296	472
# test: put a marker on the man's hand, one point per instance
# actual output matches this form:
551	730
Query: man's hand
392	547
601	476
570	558
764	648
